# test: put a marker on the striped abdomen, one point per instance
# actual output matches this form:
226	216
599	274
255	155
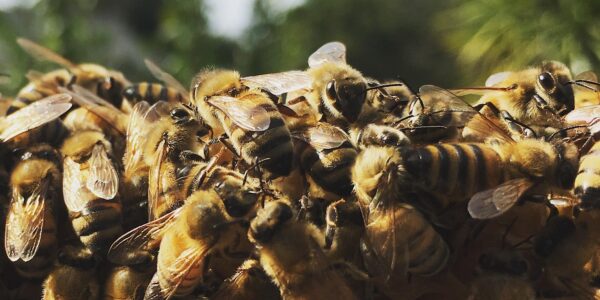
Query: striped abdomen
43	261
455	170
41	88
587	182
417	247
99	224
52	133
151	92
330	168
274	144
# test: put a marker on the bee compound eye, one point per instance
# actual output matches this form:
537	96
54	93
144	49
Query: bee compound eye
547	81
179	114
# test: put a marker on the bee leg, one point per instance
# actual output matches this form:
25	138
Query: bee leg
224	139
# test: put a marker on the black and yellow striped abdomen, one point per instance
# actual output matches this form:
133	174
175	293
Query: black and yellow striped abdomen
456	170
151	92
587	182
42	87
52	133
330	168
273	145
99	224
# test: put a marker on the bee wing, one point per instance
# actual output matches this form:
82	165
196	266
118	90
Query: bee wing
165	77
103	180
280	83
324	136
245	114
44	54
24	224
98	106
586	114
330	52
177	273
73	187
34	115
135	137
154	180
496	78
142	238
442	101
496	201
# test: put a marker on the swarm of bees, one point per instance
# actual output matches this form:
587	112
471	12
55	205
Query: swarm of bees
315	184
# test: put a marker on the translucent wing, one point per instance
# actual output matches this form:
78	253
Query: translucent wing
324	136
496	78
24	224
154	180
176	273
496	201
280	83
330	52
73	187
586	114
165	77
42	53
245	114
135	138
34	115
141	238
98	106
102	180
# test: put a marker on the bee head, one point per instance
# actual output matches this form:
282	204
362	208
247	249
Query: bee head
268	221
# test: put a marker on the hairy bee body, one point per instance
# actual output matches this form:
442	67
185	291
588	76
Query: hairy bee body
330	168
98	222
151	92
127	283
38	164
273	144
587	182
249	282
290	255
74	277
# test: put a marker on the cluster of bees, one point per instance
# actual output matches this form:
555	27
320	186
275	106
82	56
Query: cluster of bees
315	184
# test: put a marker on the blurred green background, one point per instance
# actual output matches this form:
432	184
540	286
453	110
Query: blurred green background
444	42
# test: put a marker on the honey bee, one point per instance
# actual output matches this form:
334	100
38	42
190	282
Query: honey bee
343	231
538	95
290	253
74	277
88	75
338	90
128	282
248	117
36	123
31	227
326	160
374	134
503	274
249	282
587	182
40	86
90	185
186	235
171	91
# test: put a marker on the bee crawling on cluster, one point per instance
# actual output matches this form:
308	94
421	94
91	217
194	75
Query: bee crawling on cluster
302	184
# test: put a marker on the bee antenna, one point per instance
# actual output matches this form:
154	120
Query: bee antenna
584	83
563	130
384	86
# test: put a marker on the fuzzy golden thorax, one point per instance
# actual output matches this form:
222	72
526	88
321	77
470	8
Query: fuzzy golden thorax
213	82
79	145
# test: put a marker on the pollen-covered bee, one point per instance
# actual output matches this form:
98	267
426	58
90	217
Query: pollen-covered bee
290	253
30	238
74	276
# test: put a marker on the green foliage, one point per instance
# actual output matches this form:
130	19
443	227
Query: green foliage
494	35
